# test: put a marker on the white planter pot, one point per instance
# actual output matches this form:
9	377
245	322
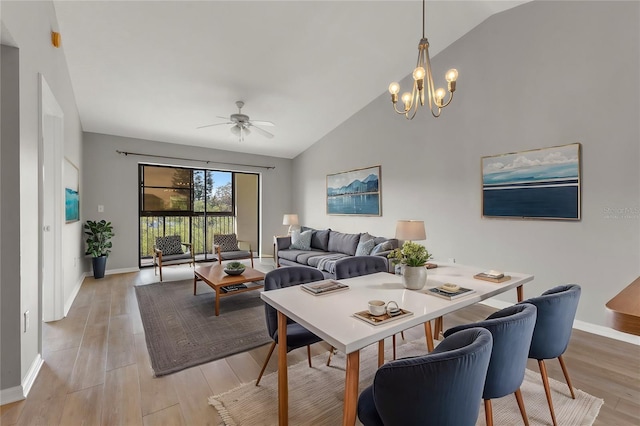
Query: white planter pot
414	277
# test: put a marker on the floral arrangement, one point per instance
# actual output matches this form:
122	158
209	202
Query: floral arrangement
411	254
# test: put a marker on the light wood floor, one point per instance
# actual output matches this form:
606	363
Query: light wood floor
97	369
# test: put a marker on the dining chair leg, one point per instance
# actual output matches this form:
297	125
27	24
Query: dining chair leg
566	376
309	354
488	412
266	361
394	346
402	335
523	412
331	349
547	391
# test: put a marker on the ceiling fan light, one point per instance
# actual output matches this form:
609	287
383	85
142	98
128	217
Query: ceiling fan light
235	130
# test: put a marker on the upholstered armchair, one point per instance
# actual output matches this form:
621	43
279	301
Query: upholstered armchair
556	311
443	387
226	247
297	335
511	329
170	250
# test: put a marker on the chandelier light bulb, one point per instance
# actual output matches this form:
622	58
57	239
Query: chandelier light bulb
452	75
440	94
406	98
418	73
394	88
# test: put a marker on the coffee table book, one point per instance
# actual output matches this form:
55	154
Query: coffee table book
381	319
448	294
324	287
485	277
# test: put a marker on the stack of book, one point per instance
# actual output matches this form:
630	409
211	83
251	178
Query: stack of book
323	287
450	292
493	276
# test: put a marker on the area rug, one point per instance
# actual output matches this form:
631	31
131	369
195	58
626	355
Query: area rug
316	396
182	330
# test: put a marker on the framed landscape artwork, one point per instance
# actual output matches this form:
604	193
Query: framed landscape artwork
71	196
356	192
538	184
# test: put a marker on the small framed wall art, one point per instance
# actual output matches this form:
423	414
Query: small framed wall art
537	184
355	192
71	192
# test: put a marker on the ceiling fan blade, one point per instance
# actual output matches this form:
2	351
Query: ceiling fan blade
262	131
263	123
211	125
224	118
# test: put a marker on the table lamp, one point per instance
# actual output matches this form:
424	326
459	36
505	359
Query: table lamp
410	230
292	221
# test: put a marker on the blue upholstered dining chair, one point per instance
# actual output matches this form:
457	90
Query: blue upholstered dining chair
556	311
511	329
441	388
297	335
356	266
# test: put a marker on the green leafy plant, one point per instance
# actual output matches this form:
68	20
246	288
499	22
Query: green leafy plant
411	254
232	266
99	234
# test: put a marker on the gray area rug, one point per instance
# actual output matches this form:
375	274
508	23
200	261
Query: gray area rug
316	395
182	330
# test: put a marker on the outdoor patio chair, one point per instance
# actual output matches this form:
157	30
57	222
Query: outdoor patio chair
226	247
169	251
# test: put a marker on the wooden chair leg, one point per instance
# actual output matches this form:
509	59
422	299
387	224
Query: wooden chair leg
402	335
160	267
309	354
547	390
566	376
523	411
428	335
331	349
266	361
488	412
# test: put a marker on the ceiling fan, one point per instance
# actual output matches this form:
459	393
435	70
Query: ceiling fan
242	124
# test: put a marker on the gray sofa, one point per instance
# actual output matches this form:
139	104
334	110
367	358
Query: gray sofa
328	246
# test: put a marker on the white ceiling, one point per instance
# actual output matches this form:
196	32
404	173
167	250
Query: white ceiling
158	69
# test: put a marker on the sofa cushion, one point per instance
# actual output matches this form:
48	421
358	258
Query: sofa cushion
383	246
301	240
320	239
366	237
291	255
305	257
343	243
170	244
364	247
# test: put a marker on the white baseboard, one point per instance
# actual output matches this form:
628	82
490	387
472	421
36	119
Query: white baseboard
114	271
74	293
580	325
18	393
28	380
7	396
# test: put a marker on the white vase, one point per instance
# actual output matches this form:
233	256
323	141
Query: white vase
414	277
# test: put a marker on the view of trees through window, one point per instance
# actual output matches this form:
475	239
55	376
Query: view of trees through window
192	203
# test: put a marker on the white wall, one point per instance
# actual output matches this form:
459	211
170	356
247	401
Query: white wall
539	75
111	180
28	26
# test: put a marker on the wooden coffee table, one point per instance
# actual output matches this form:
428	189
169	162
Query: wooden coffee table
215	276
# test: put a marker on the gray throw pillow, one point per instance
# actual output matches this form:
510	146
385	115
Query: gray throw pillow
384	246
227	242
301	240
320	240
365	247
343	243
169	245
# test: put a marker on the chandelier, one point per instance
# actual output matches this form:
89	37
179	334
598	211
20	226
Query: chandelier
422	74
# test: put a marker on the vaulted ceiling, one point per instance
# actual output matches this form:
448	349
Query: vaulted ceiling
159	69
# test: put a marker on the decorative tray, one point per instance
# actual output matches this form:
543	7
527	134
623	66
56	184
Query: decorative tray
381	319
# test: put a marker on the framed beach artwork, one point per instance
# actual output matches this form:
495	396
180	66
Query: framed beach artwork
538	184
71	195
356	192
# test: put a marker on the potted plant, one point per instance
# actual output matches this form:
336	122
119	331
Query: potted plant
413	257
98	244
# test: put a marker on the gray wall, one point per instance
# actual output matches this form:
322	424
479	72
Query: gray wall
9	218
27	26
111	180
540	75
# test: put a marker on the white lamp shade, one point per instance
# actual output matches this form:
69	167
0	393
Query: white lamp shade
290	219
410	230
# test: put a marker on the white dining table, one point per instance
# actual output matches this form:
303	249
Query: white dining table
331	317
